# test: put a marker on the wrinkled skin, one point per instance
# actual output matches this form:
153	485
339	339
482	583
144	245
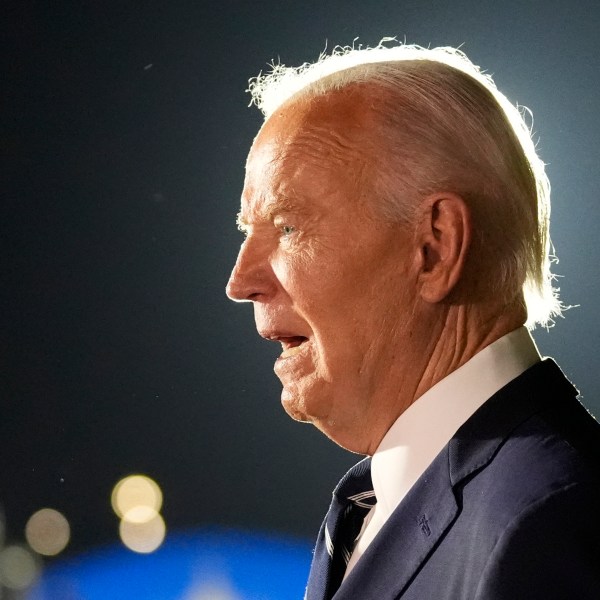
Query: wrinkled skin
362	306
319	263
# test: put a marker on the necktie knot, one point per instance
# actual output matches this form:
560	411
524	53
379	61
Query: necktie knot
352	499
364	501
355	498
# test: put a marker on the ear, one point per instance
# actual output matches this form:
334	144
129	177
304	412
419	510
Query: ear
444	237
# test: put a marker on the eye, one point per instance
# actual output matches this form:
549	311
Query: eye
285	231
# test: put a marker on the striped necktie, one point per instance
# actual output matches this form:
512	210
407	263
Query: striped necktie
352	499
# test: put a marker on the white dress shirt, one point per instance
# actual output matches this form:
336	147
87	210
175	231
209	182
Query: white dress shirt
420	433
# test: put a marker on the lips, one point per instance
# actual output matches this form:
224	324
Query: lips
290	344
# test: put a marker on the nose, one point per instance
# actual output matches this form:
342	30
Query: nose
251	279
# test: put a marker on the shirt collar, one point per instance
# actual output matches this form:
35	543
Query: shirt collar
421	432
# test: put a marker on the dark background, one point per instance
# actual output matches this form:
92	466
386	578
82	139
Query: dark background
125	128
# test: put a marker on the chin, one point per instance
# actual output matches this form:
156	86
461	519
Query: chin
307	406
291	406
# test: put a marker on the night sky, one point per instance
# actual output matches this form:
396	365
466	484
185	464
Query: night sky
125	127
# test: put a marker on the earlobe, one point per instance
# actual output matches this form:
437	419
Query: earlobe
444	241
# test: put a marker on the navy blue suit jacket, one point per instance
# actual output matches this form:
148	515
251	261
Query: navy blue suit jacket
509	509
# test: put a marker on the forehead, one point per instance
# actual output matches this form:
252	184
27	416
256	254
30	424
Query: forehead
308	145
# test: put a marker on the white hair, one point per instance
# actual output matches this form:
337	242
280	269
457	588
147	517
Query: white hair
444	126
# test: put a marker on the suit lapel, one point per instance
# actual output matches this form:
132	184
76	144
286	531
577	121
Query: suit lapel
429	509
477	441
406	539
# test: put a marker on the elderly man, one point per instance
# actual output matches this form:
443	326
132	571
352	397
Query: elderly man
396	221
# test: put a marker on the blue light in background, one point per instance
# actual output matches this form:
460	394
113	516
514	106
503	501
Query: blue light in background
203	565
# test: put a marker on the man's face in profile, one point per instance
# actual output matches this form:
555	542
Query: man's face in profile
329	279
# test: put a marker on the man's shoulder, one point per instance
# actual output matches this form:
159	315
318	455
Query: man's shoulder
543	457
556	436
546	442
519	480
540	494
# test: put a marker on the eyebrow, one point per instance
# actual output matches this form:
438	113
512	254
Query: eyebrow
269	209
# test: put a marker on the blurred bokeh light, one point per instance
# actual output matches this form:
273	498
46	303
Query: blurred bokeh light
208	564
18	568
47	532
137	498
144	536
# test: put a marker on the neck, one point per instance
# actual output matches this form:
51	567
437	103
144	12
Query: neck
463	334
451	336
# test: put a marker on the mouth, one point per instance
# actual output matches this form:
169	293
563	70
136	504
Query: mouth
291	345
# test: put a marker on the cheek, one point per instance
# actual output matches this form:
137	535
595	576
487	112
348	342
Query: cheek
308	282
350	288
